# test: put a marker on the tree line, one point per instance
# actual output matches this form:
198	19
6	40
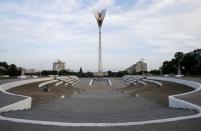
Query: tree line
10	70
184	63
80	73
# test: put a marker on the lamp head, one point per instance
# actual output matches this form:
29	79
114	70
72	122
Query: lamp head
100	15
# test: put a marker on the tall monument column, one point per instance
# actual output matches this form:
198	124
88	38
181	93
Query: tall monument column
100	15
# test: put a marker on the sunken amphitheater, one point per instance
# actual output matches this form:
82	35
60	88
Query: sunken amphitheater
130	102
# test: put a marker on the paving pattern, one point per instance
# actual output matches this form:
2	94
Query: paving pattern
187	125
3	81
109	98
6	99
100	103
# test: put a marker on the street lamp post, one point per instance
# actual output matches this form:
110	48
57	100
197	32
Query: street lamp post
100	15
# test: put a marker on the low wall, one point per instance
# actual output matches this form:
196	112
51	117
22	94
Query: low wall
22	82
174	102
59	83
20	105
109	82
25	103
142	82
91	81
46	83
152	81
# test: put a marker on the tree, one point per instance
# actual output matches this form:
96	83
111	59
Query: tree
192	63
48	72
188	64
13	70
80	73
62	72
169	67
121	73
5	65
4	68
66	72
88	74
155	72
111	74
178	60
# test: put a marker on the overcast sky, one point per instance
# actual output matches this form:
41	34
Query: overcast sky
34	33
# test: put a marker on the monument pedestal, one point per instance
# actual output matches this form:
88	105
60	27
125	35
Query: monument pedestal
100	81
100	74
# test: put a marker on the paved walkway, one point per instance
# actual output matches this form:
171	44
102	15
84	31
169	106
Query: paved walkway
2	81
100	103
196	96
110	103
187	125
6	99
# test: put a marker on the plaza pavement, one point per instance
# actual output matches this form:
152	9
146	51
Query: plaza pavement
186	125
3	81
6	99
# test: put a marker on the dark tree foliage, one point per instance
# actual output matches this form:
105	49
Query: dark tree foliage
155	72
169	67
88	74
48	72
80	73
4	68
66	72
10	70
112	74
121	73
178	57
13	71
5	65
140	73
189	63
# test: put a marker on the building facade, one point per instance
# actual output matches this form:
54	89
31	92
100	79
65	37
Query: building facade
58	65
140	66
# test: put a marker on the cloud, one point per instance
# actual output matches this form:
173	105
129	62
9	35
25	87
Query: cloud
67	29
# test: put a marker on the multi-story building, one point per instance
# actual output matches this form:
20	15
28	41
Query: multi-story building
140	66
130	70
58	65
